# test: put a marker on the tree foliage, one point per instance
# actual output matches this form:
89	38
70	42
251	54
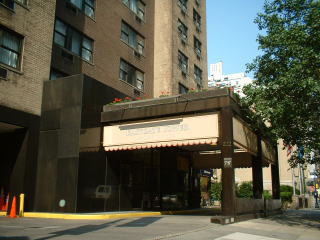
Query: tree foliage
286	92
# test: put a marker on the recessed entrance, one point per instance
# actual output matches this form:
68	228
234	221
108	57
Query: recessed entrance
11	141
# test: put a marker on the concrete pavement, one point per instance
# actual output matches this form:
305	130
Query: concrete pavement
292	225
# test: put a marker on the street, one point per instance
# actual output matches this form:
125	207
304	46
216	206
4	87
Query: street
293	225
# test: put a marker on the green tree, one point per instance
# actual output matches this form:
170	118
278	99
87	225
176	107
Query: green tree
286	92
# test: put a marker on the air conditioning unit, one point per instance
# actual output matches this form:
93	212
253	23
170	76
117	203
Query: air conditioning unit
140	17
184	38
198	26
136	53
198	3
183	9
140	50
3	73
198	52
197	78
184	69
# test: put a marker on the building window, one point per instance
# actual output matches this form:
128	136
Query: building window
10	48
86	6
183	31
183	89
131	75
8	3
198	3
55	74
183	62
198	75
137	6
197	20
132	38
23	2
183	4
197	46
72	40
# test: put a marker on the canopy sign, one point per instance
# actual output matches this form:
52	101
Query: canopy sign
182	131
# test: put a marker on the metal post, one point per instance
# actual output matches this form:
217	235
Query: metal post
293	182
21	208
300	183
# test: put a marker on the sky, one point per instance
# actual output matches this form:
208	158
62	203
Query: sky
232	33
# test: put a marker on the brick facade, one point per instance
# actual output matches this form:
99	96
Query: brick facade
22	90
105	31
167	73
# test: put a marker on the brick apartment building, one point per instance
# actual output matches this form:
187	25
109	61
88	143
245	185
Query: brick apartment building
25	53
61	61
180	62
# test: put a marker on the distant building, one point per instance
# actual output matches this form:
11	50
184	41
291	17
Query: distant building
236	80
180	46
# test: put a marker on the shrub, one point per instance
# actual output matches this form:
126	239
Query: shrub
286	196
245	190
267	194
287	188
215	191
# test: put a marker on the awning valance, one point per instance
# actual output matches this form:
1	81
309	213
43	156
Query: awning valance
244	137
182	131
268	152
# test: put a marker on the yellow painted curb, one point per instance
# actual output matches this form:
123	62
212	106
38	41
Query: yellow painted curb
89	216
3	214
107	216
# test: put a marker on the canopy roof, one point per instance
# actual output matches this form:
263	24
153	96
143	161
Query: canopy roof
190	121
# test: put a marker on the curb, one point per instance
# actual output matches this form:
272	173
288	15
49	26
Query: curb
71	216
88	216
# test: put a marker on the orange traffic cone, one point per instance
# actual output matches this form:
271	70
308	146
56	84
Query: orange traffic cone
13	211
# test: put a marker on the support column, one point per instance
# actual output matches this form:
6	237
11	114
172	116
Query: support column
228	185
257	175
275	179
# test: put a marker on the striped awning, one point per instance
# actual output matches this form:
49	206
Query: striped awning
212	141
169	132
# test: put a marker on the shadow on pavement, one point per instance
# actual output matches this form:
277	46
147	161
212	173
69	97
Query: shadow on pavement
79	230
142	222
306	218
14	238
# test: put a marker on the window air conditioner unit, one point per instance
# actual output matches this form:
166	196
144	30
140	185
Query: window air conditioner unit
184	39
198	52
136	53
198	3
198	26
140	16
184	69
140	50
183	9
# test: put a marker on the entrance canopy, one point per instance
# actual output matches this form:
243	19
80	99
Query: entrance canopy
191	122
168	132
